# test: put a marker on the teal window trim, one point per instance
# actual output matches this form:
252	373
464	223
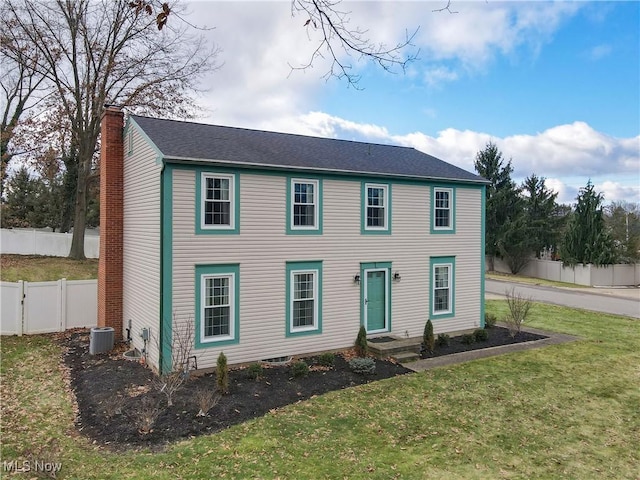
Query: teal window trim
451	229
439	262
293	268
208	271
166	270
375	266
291	229
483	210
201	228
364	229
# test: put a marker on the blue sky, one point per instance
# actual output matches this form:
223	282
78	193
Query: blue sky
555	84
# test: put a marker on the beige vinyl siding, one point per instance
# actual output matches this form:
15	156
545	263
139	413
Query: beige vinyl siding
262	249
141	297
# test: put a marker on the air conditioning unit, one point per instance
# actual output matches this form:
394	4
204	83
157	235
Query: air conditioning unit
101	340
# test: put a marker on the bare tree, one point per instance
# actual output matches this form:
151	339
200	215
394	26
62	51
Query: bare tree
101	52
20	81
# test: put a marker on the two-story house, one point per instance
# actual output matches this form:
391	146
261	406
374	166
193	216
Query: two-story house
270	244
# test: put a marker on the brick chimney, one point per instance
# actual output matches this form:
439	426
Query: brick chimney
111	220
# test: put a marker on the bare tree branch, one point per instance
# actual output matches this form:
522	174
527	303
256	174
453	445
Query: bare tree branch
447	7
337	40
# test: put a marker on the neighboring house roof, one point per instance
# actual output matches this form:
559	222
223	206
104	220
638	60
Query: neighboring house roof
196	142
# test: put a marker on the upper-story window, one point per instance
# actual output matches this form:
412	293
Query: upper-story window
443	210
376	207
217	202
304	199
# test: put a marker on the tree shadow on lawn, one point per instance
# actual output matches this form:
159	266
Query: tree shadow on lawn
120	408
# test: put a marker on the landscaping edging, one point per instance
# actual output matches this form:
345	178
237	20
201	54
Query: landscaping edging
553	338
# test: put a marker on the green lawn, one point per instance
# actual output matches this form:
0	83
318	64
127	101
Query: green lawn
565	411
37	268
532	280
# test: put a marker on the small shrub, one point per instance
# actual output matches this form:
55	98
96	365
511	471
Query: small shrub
206	400
443	340
519	307
490	320
480	335
113	406
467	339
254	371
428	339
299	369
362	348
362	366
327	359
222	374
145	414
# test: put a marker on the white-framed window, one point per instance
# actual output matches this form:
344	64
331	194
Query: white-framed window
304	298
217	307
304	305
130	141
218	196
304	204
442	276
376	209
442	209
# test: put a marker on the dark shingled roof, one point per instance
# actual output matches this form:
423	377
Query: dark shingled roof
195	142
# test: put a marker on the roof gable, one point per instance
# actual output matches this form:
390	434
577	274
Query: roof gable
202	143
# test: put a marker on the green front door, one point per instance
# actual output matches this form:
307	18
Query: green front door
375	300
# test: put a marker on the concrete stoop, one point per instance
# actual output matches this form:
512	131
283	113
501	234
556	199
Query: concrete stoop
402	350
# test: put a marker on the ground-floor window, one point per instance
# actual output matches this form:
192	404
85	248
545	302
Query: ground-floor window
442	286
217	300
304	297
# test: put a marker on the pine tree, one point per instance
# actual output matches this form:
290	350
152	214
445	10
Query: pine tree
501	195
22	193
542	212
587	239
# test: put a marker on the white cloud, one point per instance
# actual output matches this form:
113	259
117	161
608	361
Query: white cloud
599	51
260	41
567	155
616	191
256	88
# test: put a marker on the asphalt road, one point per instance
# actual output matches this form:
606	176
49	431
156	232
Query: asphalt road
587	298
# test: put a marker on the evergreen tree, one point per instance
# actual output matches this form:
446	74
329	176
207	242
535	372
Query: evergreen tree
22	192
502	198
587	239
517	241
623	221
543	214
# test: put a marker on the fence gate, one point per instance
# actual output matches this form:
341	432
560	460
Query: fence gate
43	307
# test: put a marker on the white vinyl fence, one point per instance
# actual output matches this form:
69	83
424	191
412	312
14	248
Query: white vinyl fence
43	307
36	242
589	275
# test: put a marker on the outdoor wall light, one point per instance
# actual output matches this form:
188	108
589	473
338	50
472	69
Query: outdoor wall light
356	279
397	277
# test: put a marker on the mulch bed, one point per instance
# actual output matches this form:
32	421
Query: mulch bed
113	394
498	336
